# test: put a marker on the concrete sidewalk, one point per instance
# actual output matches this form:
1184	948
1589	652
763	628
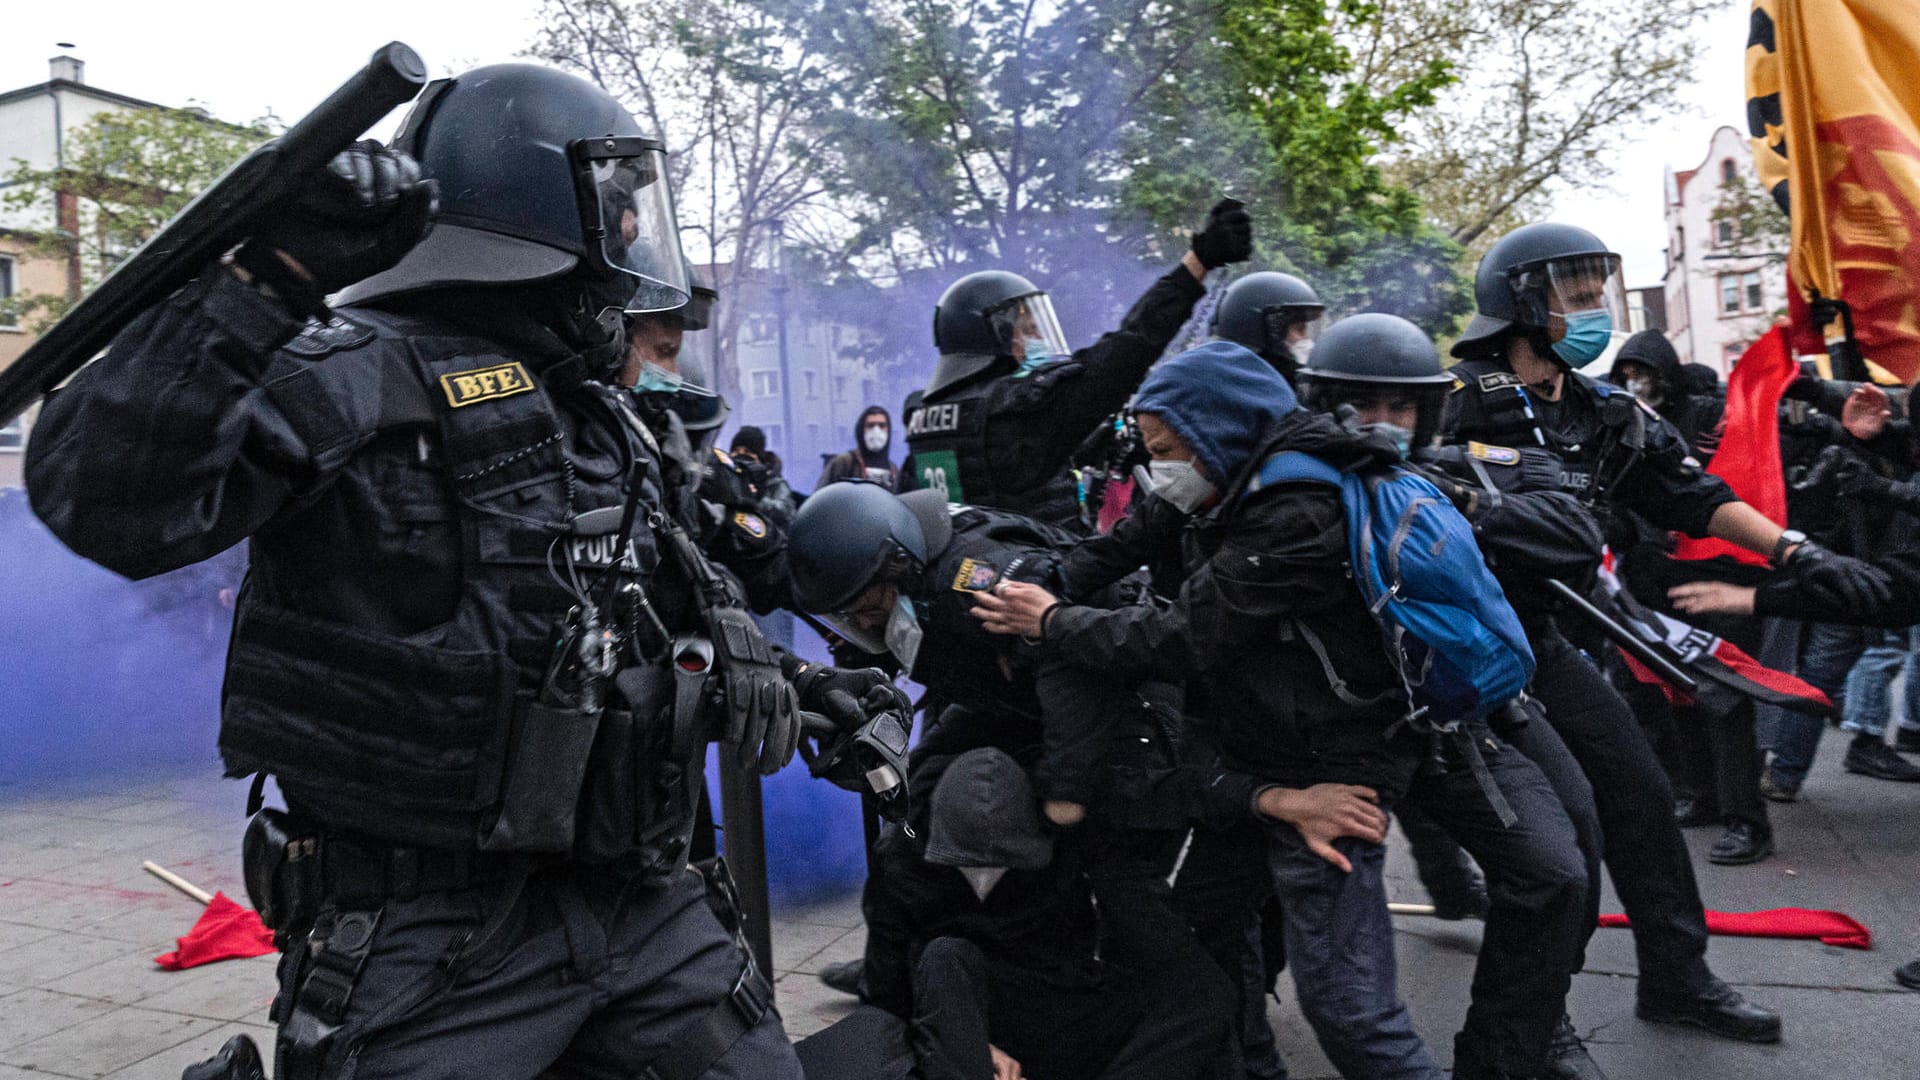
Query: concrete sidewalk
80	924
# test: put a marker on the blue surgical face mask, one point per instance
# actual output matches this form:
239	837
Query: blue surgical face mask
1036	353
1588	333
655	379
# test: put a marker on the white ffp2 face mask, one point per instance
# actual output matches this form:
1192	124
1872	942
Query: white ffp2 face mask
876	439
1180	484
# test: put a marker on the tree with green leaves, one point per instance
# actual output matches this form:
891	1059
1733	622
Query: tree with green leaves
124	175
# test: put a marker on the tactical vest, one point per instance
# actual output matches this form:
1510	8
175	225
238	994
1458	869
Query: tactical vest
1502	413
947	438
439	739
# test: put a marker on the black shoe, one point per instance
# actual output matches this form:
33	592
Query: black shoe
1720	1010
844	976
1468	1066
239	1059
1742	843
1775	791
1908	975
1689	812
1567	1057
1907	740
1470	903
1868	756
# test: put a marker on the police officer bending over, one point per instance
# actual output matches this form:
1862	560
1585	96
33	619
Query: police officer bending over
1009	404
455	648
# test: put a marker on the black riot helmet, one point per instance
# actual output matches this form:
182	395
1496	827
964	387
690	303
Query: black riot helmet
1373	357
989	314
851	536
541	174
1533	274
1257	311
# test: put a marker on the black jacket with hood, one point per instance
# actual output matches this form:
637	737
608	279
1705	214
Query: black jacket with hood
861	464
1259	565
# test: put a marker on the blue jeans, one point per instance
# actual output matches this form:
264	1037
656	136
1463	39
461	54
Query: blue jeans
1340	950
1869	704
1826	656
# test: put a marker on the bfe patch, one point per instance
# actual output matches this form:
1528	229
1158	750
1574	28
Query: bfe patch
465	388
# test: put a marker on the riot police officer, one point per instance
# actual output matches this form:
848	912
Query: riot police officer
1548	298
1009	403
456	648
1543	868
1274	314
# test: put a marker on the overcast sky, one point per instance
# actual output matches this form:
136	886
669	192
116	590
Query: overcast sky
242	59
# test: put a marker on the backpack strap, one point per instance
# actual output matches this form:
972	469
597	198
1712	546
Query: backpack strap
1293	466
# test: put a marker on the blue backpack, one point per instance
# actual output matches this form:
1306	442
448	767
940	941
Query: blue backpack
1445	621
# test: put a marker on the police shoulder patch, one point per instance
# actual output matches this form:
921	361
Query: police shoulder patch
975	575
320	339
485	384
724	458
1500	380
1458	384
751	524
1494	455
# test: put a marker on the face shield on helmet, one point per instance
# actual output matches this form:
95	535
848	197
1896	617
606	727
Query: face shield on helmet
1028	330
880	619
1585	303
628	212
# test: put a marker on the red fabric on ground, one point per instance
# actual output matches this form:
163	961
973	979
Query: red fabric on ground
1831	927
1749	455
225	931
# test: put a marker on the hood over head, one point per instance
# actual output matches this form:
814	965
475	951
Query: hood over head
984	813
860	435
1650	348
1222	399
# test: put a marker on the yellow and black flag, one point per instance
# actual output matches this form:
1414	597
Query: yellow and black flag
1834	110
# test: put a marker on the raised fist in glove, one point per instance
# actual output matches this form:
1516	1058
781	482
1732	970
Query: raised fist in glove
353	219
1227	236
1855	586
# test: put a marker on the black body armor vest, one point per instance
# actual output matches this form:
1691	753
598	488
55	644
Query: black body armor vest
440	738
947	436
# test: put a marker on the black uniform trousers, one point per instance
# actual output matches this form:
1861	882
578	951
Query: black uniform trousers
1221	887
1539	916
1645	854
587	976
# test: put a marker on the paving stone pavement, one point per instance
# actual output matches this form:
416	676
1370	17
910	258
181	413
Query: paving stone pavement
80	923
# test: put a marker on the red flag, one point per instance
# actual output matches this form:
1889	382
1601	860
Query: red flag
1749	455
225	931
1831	927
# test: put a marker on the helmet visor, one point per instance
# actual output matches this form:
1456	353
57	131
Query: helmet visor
1026	327
1280	320
1584	283
630	210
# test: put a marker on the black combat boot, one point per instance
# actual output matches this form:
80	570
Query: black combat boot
1719	1009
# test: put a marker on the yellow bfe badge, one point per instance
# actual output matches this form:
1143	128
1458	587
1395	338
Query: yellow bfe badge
751	524
1497	455
485	384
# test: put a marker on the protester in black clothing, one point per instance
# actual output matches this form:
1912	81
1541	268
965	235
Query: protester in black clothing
870	459
1548	296
1321	763
983	932
1648	368
761	468
1008	405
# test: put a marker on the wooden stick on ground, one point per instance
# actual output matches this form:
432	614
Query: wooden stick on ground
177	881
1410	909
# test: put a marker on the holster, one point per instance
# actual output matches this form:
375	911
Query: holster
280	862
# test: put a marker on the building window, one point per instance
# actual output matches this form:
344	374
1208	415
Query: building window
1731	352
776	436
810	382
7	321
1729	294
763	383
760	328
1723	232
13	436
813	434
1742	294
1727	171
1755	294
839	388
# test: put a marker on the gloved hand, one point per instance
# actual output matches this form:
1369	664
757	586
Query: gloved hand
1226	237
830	690
763	712
356	218
1848	583
1465	497
1858	480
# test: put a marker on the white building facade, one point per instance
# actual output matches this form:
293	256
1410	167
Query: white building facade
1718	302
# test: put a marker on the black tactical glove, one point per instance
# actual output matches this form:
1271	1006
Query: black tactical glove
1226	237
763	713
1465	497
356	218
826	689
1859	481
1848	583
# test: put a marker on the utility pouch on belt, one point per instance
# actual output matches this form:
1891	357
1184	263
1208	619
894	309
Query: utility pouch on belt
281	865
546	761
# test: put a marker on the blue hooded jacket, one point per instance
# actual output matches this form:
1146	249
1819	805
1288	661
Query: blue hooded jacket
1222	399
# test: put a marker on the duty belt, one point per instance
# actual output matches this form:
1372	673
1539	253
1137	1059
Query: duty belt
356	873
